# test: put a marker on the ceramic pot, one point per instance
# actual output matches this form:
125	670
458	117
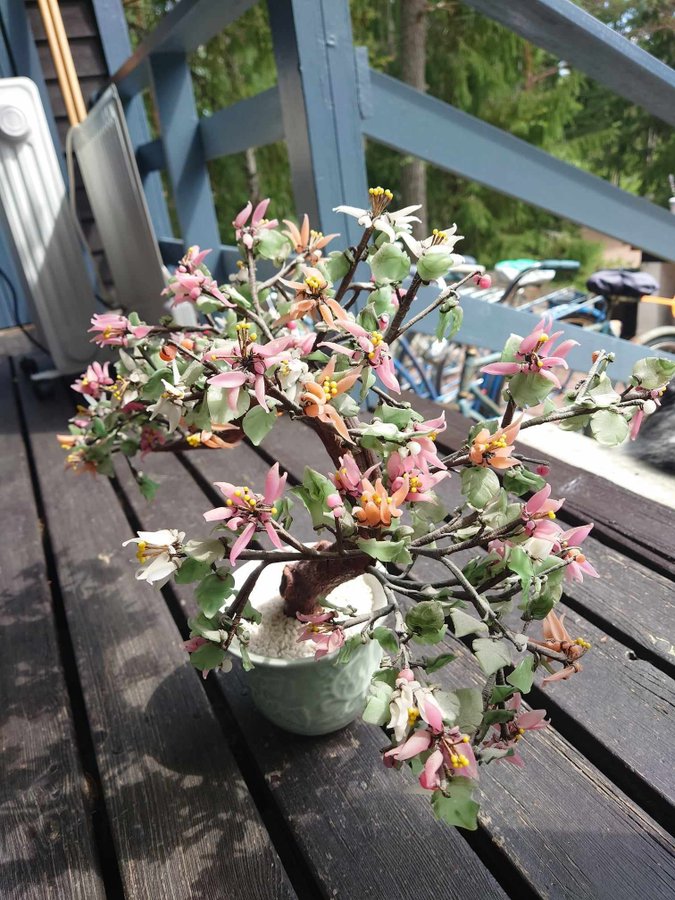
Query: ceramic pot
313	696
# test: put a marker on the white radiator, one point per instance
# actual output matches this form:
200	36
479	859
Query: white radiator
40	228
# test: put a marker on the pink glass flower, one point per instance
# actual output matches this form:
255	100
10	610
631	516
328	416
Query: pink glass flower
423	446
420	481
452	755
532	355
94	380
528	720
321	629
247	512
248	361
194	643
654	400
348	476
336	505
569	543
247	233
372	348
539	514
112	330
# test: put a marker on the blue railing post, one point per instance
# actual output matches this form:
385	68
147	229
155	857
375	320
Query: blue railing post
114	34
184	154
316	74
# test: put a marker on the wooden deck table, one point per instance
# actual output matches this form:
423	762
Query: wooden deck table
125	775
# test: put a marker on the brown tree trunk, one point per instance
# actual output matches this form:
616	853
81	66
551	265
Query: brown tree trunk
306	582
413	58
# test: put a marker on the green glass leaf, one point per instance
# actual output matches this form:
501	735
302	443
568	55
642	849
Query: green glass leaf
463	624
428	615
529	388
272	244
154	388
386	638
434	263
437	662
191	570
498	716
335	266
377	705
246	663
212	591
609	427
470	713
147	486
491	655
653	372
456	805
520	480
520	563
479	485
386	551
205	551
207	657
257	423
389	264
501	692
523	675
603	393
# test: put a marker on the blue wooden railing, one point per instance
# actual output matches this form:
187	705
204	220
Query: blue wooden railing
327	100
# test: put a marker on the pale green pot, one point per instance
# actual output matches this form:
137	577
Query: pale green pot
313	696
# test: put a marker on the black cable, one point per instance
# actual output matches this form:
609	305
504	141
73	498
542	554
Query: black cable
17	315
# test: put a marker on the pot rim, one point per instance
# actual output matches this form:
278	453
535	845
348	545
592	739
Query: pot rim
279	662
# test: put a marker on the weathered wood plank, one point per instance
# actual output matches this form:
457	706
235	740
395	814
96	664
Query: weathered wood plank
87	55
647	533
46	839
617	699
78	19
183	821
333	791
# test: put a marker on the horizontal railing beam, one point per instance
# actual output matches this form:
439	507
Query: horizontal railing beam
415	123
187	26
487	325
150	157
254	122
572	34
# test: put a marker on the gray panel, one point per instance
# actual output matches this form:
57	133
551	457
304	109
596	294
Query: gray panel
114	189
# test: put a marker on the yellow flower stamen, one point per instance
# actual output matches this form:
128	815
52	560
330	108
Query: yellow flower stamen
413	715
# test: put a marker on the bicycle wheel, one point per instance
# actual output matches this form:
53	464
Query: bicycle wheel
662	338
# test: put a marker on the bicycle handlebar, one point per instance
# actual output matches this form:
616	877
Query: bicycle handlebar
569	265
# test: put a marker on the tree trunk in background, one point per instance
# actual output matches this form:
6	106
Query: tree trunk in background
413	56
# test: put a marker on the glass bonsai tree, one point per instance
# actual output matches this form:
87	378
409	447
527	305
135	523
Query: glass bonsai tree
314	341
